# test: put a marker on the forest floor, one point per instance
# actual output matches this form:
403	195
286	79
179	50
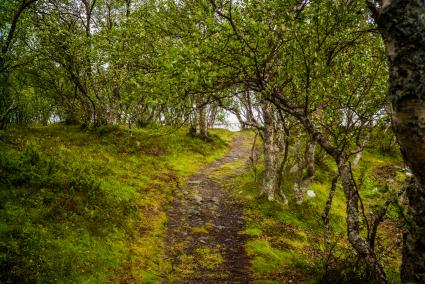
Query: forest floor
203	239
161	206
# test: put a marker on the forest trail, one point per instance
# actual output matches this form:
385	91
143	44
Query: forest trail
203	238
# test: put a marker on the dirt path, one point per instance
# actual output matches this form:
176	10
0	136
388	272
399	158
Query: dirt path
202	241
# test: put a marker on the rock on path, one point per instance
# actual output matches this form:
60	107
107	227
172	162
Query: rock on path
203	241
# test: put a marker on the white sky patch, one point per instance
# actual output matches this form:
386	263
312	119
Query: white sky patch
230	122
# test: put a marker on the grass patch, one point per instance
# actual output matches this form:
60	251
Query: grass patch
286	241
89	206
209	258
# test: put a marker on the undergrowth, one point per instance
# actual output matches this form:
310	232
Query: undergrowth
80	206
287	241
89	206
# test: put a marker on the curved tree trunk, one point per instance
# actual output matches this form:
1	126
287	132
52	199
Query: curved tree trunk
402	24
361	245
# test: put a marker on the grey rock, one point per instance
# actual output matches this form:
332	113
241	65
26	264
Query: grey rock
194	212
198	198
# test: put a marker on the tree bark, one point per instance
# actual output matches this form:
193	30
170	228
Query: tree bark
326	225
309	158
269	180
299	170
413	265
402	25
283	145
201	126
310	170
5	115
253	158
353	228
325	215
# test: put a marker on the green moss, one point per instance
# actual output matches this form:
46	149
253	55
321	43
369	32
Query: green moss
289	238
263	265
199	230
209	258
89	206
150	278
255	232
263	248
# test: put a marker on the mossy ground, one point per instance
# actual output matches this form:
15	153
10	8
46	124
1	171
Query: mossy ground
89	206
286	241
79	206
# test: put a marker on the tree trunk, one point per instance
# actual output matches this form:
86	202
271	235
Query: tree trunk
5	115
358	156
361	246
325	215
212	116
241	121
253	158
326	225
269	180
201	126
309	158
356	159
282	138
413	264
297	170
310	170
402	24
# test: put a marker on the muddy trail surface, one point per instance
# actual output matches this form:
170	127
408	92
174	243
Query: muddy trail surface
203	238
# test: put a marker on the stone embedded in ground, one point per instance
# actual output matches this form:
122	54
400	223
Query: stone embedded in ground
194	212
209	205
311	193
198	198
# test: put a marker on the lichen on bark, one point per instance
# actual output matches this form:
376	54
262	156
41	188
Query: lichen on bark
402	25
